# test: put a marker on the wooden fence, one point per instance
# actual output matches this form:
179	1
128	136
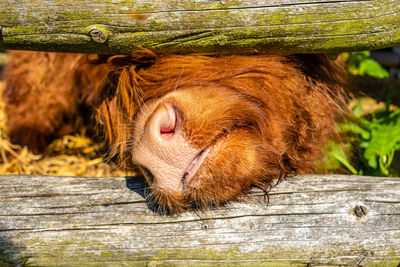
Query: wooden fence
169	26
310	221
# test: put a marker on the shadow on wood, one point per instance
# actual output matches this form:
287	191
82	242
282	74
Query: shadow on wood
138	185
10	255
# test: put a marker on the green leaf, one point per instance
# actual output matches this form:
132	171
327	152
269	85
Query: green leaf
372	68
357	110
361	55
360	63
354	128
337	152
385	138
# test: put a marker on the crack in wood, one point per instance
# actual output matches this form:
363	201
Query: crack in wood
44	195
299	4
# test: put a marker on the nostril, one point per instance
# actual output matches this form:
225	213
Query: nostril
168	120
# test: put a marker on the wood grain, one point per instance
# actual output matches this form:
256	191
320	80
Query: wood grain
223	26
311	220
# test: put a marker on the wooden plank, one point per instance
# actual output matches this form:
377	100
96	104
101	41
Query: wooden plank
311	220
169	26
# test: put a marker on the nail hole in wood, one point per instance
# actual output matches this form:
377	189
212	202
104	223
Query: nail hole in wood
360	211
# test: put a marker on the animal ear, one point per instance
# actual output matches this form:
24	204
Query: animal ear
123	73
139	59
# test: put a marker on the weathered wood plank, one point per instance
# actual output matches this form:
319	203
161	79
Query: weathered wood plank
98	26
311	220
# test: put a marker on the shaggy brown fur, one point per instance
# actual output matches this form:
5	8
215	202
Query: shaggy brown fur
266	116
44	94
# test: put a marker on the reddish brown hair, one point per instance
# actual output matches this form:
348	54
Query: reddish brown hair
277	110
289	102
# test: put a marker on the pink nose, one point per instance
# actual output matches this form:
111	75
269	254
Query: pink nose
163	150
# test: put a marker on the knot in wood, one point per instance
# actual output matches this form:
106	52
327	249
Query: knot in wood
360	211
98	35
